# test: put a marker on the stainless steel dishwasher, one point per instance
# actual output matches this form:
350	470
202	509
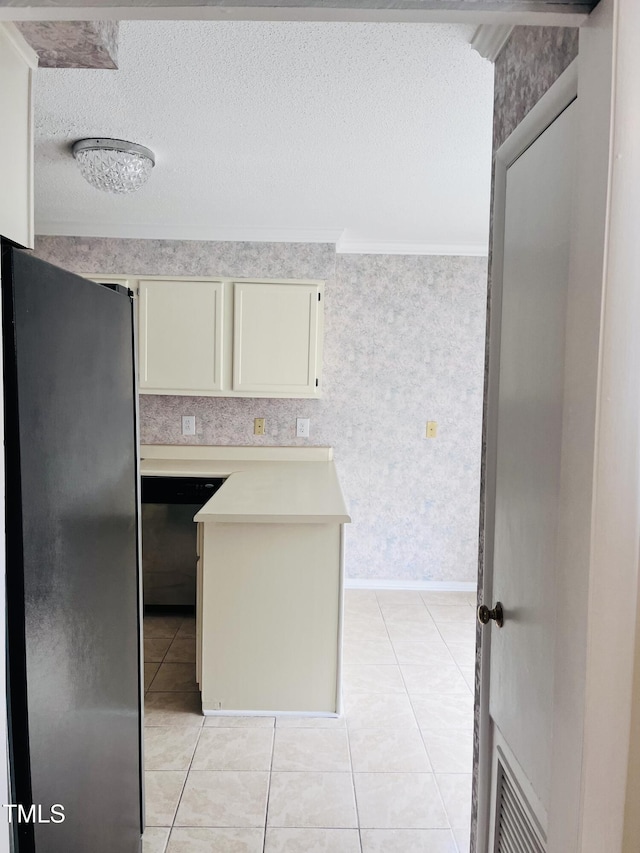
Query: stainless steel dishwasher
169	537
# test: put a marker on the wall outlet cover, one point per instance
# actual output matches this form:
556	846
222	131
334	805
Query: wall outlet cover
303	426
188	424
258	426
432	429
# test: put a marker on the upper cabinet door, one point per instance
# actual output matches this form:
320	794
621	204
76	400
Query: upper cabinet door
181	336
276	338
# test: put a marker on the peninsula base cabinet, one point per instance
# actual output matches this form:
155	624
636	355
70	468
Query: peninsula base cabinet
269	617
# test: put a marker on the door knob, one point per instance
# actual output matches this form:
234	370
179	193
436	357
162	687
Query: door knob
485	615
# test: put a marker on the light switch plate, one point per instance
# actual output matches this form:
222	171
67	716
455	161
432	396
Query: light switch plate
302	427
188	424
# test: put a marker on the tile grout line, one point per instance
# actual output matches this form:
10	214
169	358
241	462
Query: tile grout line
353	777
154	661
200	730
146	691
455	662
186	777
435	779
163	657
184	785
266	810
451	653
435	775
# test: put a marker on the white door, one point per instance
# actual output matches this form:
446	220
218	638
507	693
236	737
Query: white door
528	424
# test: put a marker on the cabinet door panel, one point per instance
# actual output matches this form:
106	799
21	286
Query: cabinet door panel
181	336
275	338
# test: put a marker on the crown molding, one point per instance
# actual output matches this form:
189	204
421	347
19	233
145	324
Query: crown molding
142	231
348	247
489	40
257	235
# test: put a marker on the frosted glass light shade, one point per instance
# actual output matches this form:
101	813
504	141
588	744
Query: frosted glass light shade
113	165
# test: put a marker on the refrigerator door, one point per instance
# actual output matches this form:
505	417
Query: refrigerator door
72	559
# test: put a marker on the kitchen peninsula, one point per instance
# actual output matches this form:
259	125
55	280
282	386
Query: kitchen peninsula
269	576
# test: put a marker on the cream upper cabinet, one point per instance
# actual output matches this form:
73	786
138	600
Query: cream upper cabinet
181	336
275	338
228	338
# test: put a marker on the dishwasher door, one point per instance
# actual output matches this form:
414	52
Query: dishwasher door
169	537
169	554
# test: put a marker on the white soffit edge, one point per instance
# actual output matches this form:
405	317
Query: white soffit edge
488	40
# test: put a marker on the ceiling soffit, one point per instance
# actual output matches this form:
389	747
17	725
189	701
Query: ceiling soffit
73	44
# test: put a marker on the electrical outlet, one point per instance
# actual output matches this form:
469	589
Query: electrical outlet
188	424
302	427
432	429
258	426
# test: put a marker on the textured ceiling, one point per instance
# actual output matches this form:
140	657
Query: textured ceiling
376	135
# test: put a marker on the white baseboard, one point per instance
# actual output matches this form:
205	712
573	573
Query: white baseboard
325	714
422	586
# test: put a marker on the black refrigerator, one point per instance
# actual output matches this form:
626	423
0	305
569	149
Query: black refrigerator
73	589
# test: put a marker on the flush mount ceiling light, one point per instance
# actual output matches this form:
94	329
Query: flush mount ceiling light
113	165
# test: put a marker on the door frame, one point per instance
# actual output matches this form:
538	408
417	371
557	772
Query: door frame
554	102
611	749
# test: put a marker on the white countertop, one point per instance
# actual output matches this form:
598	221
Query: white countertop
279	485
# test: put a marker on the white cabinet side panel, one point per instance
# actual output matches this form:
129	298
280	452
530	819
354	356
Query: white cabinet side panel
16	140
270	620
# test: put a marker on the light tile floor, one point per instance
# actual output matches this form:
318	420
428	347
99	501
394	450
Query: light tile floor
392	776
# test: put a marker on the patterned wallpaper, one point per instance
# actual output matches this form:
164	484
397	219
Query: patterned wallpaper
73	44
532	59
403	344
